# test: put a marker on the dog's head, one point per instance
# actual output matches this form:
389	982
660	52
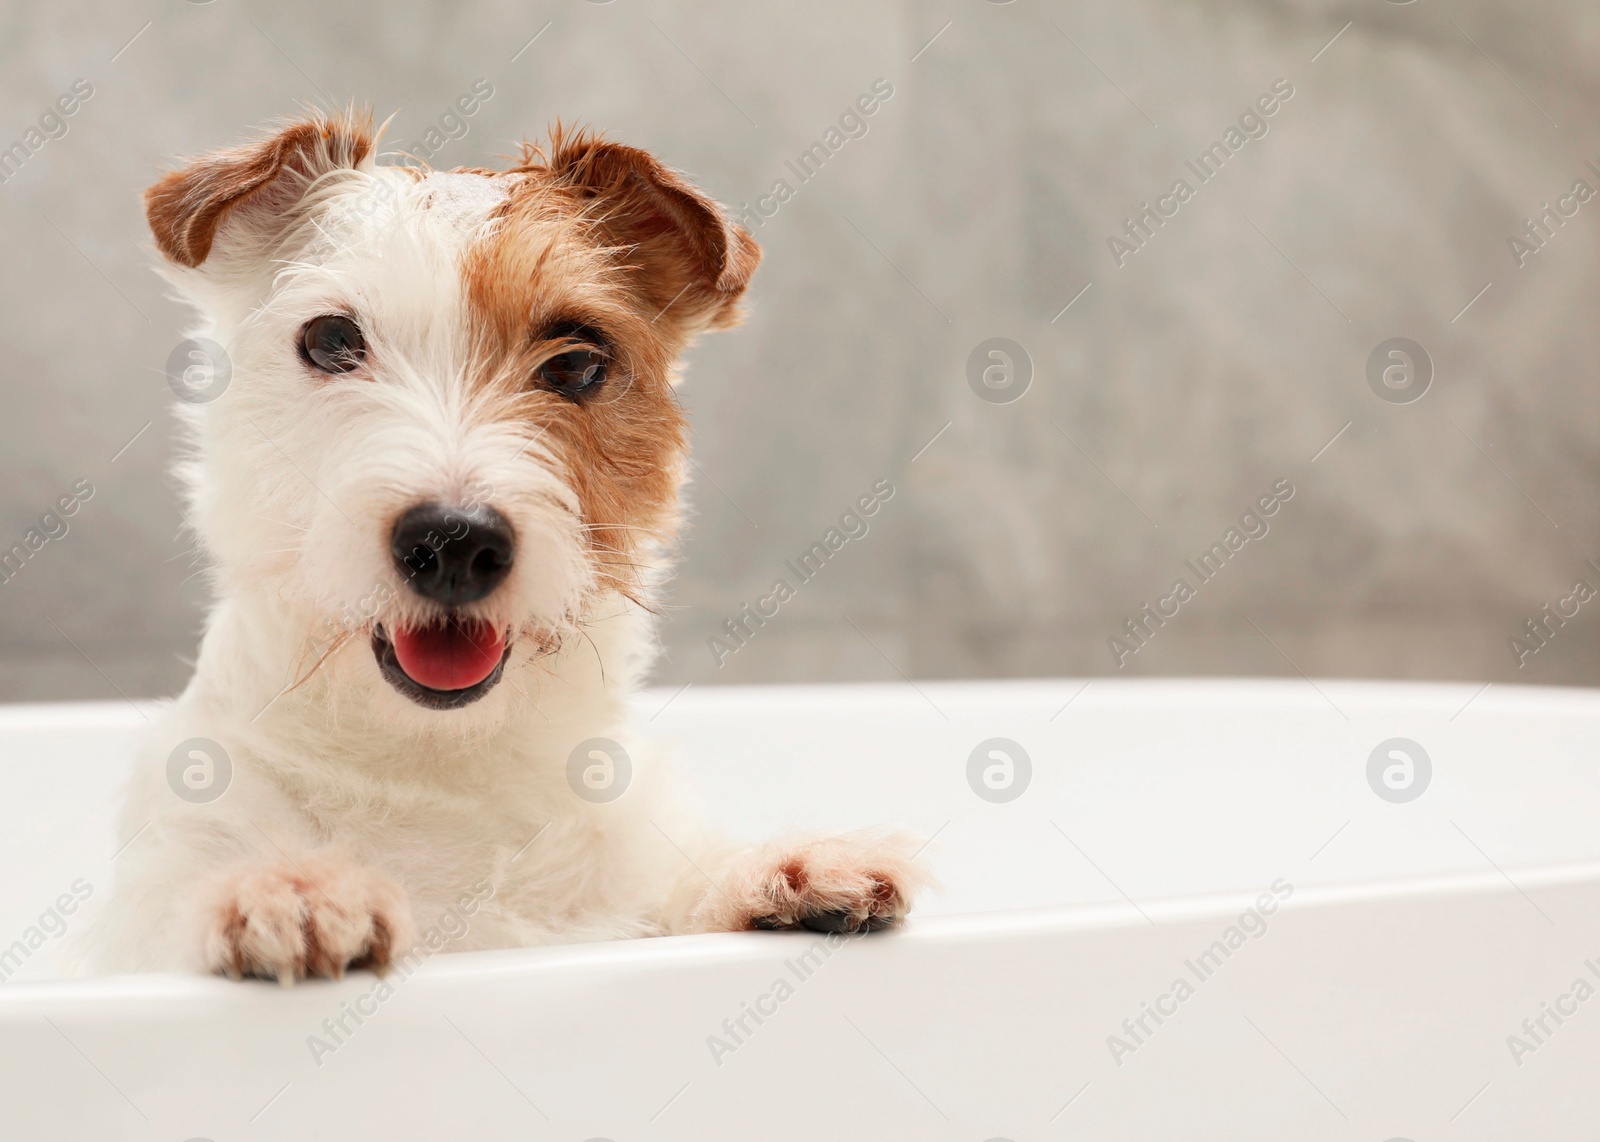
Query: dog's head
450	430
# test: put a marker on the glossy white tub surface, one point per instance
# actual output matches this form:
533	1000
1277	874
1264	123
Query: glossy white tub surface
1377	1002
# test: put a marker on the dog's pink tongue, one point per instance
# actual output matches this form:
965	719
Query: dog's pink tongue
451	657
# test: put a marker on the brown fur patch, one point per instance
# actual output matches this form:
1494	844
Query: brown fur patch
602	235
794	875
380	947
233	929
186	207
317	958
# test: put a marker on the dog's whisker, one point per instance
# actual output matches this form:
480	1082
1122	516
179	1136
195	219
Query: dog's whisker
280	522
338	642
620	527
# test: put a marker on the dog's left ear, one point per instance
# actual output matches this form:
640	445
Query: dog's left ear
689	258
247	196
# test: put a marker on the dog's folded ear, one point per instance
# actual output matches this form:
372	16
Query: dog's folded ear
690	258
250	192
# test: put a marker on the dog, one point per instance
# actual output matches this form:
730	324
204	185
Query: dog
438	498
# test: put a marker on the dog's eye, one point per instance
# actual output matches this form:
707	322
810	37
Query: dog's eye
578	369
333	344
574	371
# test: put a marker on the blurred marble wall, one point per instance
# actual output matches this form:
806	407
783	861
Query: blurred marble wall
1193	289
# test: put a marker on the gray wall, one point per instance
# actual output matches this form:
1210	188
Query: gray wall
1174	391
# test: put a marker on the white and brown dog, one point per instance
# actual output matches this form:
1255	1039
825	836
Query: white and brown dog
438	495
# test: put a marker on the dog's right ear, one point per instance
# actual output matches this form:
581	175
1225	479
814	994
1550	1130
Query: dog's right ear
250	193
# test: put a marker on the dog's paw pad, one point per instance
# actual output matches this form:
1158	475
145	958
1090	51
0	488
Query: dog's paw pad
848	884
315	918
849	921
849	902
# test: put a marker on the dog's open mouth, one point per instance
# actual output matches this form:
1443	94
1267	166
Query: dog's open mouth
443	667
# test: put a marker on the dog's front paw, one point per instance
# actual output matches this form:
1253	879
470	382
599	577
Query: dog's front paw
295	921
856	882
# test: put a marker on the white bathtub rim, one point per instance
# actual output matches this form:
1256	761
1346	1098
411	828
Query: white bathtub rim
1367	695
171	993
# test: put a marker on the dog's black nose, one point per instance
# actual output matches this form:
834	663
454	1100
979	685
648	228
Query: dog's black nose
452	555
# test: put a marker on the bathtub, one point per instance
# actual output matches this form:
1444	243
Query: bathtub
1169	910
